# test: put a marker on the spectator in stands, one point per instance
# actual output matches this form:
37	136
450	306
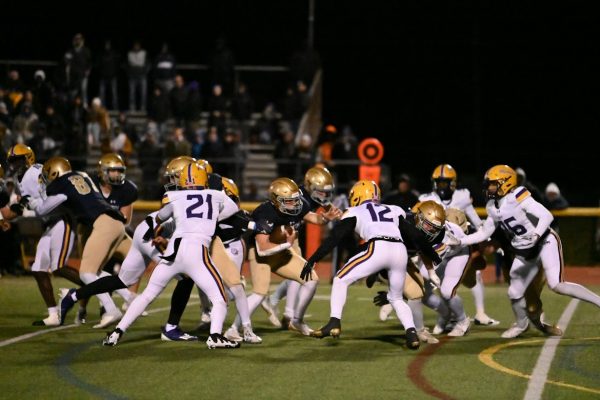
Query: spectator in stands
178	97
82	64
108	70
345	149
194	102
198	143
137	62
76	144
243	104
54	124
159	111
304	63
217	105
325	142
150	158
405	196
24	125
233	152
164	69
5	118
67	81
222	64
213	147
121	143
299	104
98	127
43	92
285	152
14	88
553	200
536	193
177	145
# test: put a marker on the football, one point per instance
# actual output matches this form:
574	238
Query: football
278	234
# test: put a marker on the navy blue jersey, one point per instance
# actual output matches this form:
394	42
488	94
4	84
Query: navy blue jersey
215	181
233	227
267	217
314	206
120	195
83	197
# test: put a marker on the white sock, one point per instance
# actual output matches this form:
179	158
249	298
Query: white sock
477	291
52	310
339	292
217	315
170	327
241	303
293	288
280	292
404	313
305	295
254	300
416	307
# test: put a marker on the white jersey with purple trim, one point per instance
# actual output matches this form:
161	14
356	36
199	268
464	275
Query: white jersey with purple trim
376	220
196	213
30	183
444	250
461	199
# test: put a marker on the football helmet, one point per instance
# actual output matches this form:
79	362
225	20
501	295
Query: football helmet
231	189
444	181
192	176
284	194
499	181
319	185
108	163
173	169
458	217
54	168
362	191
429	218
20	157
206	165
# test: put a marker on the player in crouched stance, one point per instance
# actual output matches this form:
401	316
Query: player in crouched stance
196	211
513	209
377	224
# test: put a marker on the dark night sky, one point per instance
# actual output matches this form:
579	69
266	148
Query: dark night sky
472	86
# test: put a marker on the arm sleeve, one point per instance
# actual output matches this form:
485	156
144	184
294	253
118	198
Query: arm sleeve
484	233
343	227
544	216
228	208
165	212
472	216
43	207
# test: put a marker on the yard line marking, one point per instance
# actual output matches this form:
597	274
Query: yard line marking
535	388
26	336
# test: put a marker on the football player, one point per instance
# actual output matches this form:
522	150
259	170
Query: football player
378	225
56	242
318	190
526	223
196	211
445	192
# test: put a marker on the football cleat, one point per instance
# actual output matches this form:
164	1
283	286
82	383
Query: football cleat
514	331
108	318
218	341
176	335
50	320
426	337
545	328
271	312
412	339
250	336
65	303
333	328
300	326
233	334
112	338
483	319
461	328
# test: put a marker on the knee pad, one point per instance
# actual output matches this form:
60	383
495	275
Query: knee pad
514	293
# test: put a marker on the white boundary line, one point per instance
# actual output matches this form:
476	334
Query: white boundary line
535	388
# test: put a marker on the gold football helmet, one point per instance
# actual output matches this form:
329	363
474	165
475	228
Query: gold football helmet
444	181
173	169
499	181
231	189
362	191
429	218
20	157
284	194
54	168
112	162
458	217
206	165
192	176
319	185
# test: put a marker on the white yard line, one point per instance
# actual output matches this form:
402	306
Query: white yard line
544	362
21	338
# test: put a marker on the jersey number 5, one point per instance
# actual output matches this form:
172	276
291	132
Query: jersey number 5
516	228
198	201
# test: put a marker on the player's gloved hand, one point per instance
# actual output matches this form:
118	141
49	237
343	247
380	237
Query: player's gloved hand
306	273
263	226
17	208
451	240
381	299
434	278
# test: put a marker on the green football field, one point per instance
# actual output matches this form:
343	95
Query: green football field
369	361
